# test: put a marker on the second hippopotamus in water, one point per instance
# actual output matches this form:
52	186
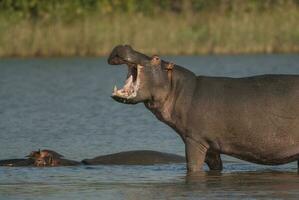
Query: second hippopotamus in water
49	158
40	158
45	158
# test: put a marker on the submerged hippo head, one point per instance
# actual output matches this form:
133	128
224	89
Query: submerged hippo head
147	78
43	158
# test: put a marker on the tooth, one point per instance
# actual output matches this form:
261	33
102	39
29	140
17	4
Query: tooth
129	80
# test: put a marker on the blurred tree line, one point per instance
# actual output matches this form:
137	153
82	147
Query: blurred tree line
93	27
35	9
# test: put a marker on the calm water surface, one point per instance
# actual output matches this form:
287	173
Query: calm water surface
65	105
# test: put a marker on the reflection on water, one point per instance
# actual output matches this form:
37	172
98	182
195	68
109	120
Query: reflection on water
270	184
149	182
65	105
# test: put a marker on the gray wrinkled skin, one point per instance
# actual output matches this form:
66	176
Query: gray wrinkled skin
141	157
255	119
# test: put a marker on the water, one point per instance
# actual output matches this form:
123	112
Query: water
65	105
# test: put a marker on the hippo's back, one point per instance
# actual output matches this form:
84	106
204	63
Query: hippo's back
145	157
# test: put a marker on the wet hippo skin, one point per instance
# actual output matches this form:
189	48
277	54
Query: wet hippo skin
142	157
252	118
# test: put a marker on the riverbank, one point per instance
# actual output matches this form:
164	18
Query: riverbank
272	31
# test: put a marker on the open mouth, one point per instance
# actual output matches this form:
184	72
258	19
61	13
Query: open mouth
131	86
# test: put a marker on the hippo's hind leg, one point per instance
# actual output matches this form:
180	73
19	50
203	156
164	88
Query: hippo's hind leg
213	160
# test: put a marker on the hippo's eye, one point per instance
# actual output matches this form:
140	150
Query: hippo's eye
155	60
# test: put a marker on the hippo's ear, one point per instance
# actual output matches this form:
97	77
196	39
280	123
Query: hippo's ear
169	66
155	60
30	155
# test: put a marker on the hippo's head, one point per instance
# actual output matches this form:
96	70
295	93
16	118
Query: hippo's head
147	77
44	157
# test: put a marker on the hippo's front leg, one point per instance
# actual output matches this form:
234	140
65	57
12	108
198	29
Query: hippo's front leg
195	155
213	160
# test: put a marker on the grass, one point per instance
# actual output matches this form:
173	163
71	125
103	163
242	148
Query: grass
271	31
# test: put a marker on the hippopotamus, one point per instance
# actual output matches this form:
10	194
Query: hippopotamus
255	118
44	158
40	158
49	158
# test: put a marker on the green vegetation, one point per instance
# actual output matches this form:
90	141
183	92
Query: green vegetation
93	27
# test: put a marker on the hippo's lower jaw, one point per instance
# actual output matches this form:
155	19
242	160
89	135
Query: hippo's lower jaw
132	84
123	100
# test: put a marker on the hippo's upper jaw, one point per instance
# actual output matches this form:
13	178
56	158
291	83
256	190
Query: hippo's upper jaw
146	79
124	54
